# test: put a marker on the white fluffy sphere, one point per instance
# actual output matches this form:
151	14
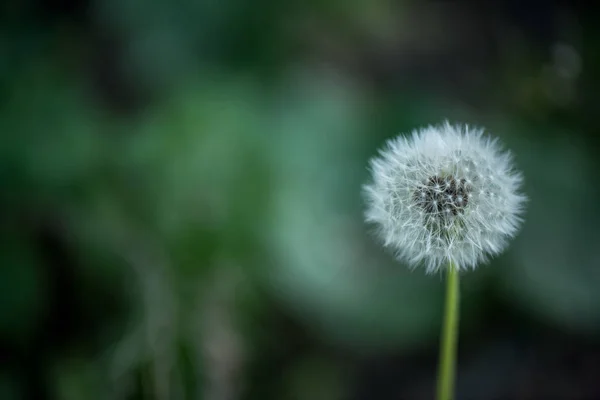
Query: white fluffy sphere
446	194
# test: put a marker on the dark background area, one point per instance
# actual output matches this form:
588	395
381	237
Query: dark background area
181	214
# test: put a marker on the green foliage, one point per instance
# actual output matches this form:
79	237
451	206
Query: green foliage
185	228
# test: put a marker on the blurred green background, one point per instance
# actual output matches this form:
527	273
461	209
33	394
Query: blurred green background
181	210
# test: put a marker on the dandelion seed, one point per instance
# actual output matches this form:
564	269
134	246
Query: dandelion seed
446	195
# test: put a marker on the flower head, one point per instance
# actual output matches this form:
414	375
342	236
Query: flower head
446	194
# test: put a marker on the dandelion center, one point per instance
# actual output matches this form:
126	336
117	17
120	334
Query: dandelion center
443	196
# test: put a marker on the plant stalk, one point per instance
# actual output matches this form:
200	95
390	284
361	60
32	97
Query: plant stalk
449	339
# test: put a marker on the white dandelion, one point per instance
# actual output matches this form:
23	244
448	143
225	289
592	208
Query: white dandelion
446	195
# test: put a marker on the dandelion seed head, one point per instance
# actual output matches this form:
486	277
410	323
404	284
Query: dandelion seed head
445	194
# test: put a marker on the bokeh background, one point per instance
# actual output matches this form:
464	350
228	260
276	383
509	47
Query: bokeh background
181	212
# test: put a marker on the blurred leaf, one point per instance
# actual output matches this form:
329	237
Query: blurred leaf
555	272
326	271
77	379
9	388
198	168
50	140
313	378
22	290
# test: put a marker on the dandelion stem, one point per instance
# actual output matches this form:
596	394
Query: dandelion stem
449	339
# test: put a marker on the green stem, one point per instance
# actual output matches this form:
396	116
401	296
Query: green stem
449	340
